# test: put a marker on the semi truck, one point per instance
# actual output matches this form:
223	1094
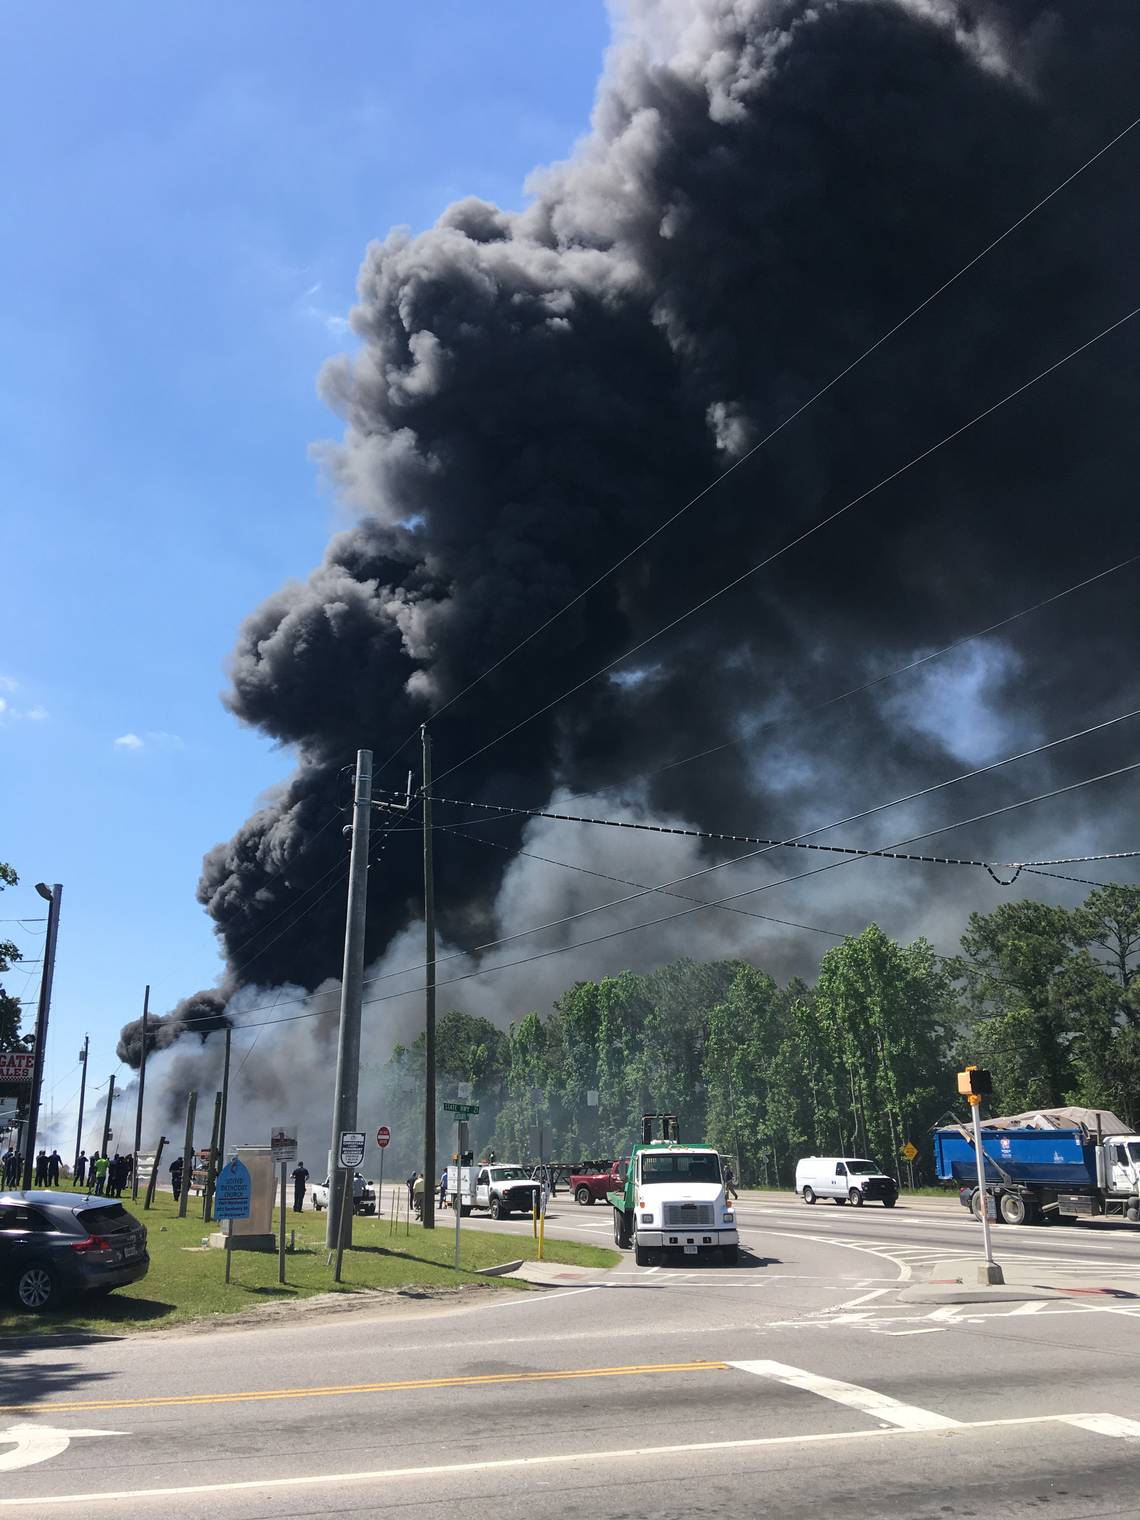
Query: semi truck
672	1199
1045	1166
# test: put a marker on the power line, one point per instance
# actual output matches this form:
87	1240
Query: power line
763	442
792	543
769	845
731	897
493	844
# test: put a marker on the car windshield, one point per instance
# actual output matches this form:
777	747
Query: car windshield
862	1168
681	1166
1134	1151
509	1174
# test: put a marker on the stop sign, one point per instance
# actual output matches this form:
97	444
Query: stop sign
383	1135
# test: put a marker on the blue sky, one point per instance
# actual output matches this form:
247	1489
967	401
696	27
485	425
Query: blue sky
187	192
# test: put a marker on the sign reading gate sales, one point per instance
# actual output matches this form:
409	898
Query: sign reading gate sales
17	1065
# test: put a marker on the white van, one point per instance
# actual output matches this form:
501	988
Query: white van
844	1179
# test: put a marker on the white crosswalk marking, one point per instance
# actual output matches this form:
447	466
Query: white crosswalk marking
1105	1425
879	1406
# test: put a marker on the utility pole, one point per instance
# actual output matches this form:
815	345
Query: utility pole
225	1101
214	1164
351	993
139	1104
82	1095
53	895
107	1119
430	1181
187	1153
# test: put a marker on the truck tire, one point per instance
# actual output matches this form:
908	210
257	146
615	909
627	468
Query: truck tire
730	1255
855	1198
1013	1209
621	1230
583	1195
889	1203
317	1205
497	1209
809	1195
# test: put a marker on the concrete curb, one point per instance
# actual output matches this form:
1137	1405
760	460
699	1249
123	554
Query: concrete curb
505	1269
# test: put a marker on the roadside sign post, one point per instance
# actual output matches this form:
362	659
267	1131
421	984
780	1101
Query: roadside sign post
974	1084
351	1155
283	1148
462	1112
908	1152
383	1136
233	1197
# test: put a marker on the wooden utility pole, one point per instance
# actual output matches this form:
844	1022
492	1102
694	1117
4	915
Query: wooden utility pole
214	1163
107	1118
142	1089
347	1089
187	1153
225	1100
82	1095
430	1179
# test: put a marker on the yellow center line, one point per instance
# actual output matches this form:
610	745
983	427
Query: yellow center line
405	1385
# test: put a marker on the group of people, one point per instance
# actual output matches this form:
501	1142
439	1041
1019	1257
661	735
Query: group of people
103	1174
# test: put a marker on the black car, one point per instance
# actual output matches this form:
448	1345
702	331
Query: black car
55	1244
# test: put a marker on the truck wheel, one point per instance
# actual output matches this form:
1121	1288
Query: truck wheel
809	1195
855	1198
1013	1209
584	1196
730	1255
465	1209
496	1209
889	1203
621	1230
642	1255
317	1206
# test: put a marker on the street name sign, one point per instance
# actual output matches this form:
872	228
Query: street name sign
383	1135
233	1192
352	1142
462	1110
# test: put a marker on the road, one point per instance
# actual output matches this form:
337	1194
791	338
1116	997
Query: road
796	1384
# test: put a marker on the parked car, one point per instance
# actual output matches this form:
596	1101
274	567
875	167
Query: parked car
54	1245
363	1195
845	1179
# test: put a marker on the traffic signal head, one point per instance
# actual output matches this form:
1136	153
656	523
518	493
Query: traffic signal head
974	1082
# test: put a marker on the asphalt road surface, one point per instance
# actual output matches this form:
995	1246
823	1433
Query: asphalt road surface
796	1384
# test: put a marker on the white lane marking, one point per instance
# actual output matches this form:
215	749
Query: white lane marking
863	1298
1105	1425
1035	1307
35	1442
880	1406
559	1459
847	1245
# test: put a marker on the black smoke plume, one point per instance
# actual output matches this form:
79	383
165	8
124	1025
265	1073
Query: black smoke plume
768	187
200	1014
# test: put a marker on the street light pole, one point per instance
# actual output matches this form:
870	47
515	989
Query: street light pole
53	895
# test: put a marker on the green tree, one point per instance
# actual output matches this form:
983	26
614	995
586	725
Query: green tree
9	956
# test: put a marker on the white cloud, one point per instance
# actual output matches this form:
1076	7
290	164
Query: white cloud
8	684
36	714
10	714
152	738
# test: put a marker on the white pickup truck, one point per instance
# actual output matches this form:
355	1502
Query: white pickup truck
363	1195
499	1187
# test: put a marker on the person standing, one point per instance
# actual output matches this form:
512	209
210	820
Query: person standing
81	1169
176	1177
300	1179
55	1161
411	1182
100	1166
443	1188
418	1194
729	1183
9	1170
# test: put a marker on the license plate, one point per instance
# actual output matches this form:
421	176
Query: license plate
690	1250
130	1251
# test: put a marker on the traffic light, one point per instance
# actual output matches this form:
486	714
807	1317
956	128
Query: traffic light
975	1083
467	1159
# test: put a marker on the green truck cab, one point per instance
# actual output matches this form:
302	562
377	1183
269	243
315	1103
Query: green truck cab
672	1199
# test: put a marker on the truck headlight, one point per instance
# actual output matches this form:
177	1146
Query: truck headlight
728	1217
647	1218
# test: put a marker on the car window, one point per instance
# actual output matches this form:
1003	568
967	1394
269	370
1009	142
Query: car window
105	1221
18	1216
484	1179
840	1170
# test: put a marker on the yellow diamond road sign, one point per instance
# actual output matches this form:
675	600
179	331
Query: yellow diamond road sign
909	1151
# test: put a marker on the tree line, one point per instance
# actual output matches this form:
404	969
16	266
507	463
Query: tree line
857	1062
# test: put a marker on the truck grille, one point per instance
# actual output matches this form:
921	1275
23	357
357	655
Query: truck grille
688	1216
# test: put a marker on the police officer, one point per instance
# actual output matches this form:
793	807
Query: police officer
300	1178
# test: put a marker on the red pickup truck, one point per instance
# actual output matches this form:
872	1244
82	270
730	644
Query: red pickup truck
592	1185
